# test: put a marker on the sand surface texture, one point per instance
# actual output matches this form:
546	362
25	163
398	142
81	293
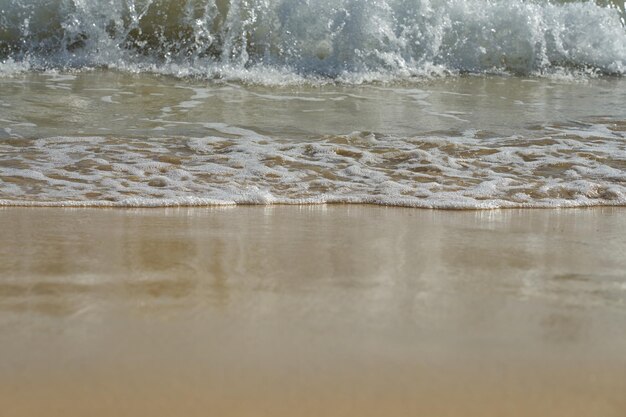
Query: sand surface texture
312	311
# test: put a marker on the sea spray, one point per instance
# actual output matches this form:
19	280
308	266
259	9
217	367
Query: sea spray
346	40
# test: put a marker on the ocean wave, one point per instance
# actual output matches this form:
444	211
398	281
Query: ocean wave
287	41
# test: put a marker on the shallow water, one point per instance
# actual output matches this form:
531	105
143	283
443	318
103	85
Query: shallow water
421	103
113	138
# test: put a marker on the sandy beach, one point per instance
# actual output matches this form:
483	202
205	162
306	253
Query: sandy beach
327	208
312	311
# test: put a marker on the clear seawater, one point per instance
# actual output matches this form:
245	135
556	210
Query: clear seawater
421	103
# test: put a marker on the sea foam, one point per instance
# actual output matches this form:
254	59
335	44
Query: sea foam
462	171
291	41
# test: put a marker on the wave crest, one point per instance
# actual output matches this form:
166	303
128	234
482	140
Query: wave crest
315	38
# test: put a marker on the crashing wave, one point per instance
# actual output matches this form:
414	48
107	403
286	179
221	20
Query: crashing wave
337	39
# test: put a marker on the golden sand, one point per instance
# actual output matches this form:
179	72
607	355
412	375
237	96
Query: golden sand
312	311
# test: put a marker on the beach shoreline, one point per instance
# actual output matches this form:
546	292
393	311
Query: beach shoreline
331	310
328	209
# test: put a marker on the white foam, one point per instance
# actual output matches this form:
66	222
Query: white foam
555	168
108	99
290	41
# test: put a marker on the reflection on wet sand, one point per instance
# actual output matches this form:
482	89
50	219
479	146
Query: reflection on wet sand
338	310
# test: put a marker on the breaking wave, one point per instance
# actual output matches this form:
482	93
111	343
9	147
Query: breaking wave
276	41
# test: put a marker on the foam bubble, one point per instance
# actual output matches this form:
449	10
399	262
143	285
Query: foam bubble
290	41
554	168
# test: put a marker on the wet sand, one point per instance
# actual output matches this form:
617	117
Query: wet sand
312	311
